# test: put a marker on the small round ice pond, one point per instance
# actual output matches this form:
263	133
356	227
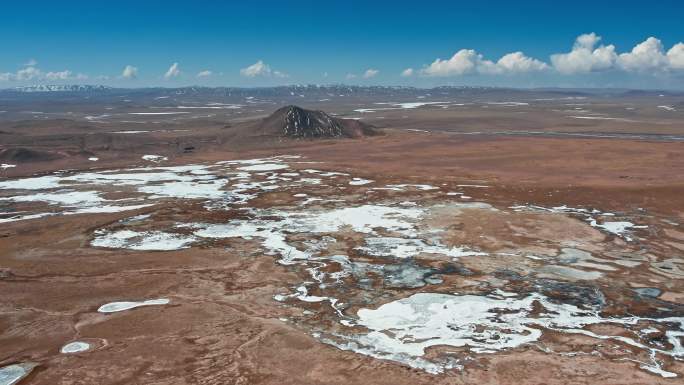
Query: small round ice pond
75	347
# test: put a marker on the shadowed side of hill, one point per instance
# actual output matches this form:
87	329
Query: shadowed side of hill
26	155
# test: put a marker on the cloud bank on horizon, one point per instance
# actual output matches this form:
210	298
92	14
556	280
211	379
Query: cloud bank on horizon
588	55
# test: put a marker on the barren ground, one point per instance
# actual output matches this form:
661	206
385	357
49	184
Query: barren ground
450	259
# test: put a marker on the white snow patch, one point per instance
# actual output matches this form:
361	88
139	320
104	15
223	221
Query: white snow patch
399	106
130	132
603	118
107	209
360	181
147	240
71	198
409	248
620	228
113	307
363	219
158	113
508	104
264	167
13	374
402	330
154	158
404	187
211	189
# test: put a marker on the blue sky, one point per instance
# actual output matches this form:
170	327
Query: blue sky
355	42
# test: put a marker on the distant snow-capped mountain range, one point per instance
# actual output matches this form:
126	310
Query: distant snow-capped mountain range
61	88
324	92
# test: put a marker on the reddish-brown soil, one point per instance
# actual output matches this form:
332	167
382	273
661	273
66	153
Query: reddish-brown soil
222	326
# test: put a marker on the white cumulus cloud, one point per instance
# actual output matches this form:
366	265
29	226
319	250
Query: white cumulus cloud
645	56
351	76
407	72
675	56
463	62
257	69
31	63
584	57
469	61
204	74
32	73
261	69
129	72
61	75
648	56
517	62
28	73
172	72
371	72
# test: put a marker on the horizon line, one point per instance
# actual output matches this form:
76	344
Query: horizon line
320	85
